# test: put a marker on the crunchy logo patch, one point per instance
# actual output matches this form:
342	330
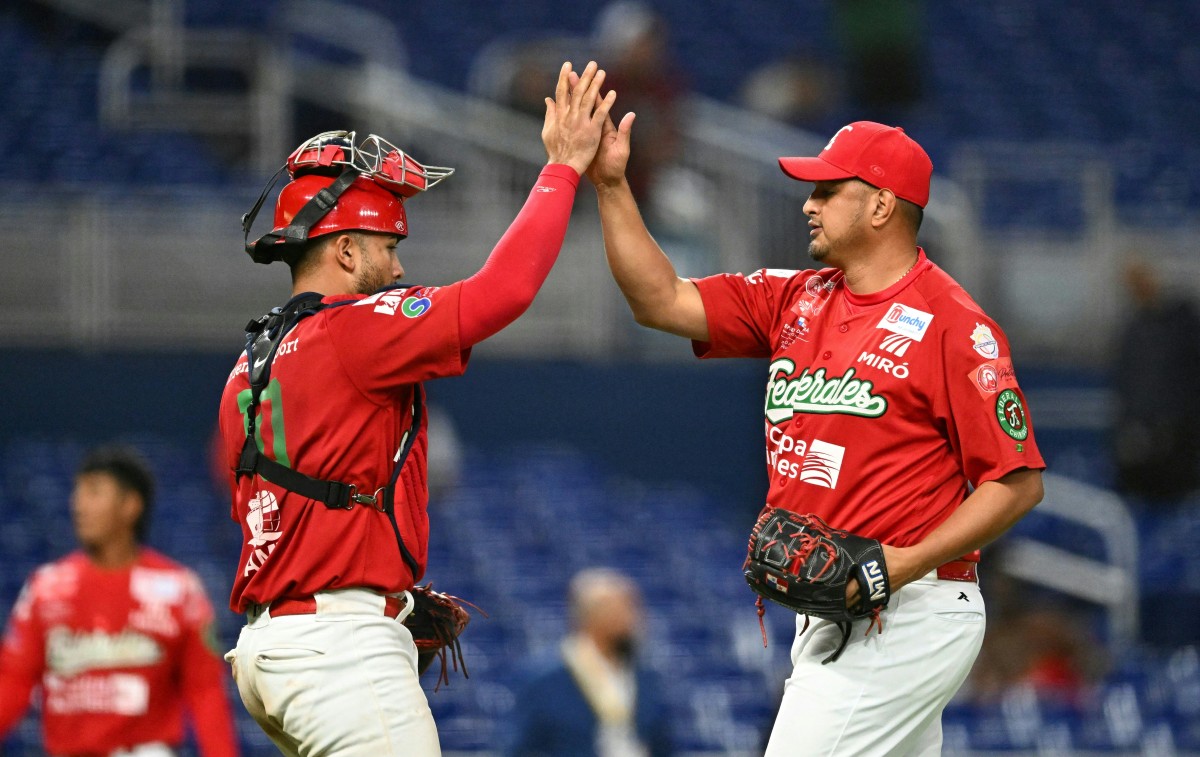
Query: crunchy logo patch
788	394
906	321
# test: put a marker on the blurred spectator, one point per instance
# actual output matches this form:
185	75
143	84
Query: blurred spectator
799	91
1034	638
594	699
632	44
1156	436
883	42
118	637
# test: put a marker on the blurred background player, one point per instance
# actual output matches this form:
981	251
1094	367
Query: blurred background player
117	636
330	480
594	698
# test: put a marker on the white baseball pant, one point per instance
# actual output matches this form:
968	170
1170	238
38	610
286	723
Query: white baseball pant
342	681
884	696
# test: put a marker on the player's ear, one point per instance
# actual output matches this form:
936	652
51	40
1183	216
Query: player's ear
883	206
344	252
131	507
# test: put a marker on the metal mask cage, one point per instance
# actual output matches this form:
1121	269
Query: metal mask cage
375	158
336	153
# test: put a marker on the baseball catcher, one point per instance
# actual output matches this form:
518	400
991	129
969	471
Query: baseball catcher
806	565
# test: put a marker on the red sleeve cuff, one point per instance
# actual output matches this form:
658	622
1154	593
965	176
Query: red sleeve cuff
560	171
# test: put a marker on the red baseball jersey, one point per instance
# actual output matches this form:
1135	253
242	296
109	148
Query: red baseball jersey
118	654
881	408
339	401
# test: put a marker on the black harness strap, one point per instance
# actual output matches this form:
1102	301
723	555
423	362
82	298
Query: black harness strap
267	248
263	337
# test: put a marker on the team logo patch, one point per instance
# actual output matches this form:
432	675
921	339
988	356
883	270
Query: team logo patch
415	307
984	343
906	321
991	377
1011	414
822	464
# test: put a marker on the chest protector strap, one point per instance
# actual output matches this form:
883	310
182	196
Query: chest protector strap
263	337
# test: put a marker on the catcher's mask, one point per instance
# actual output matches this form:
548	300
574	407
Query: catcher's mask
337	185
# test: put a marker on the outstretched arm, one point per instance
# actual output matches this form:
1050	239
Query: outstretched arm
655	293
512	275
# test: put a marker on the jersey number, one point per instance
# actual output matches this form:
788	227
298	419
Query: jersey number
270	406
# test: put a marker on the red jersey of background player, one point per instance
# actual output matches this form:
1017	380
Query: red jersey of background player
378	347
118	654
879	408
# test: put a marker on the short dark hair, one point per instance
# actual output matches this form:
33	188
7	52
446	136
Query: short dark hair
912	212
302	261
305	260
132	473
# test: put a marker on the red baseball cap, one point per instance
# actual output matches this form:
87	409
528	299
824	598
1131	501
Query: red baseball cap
883	156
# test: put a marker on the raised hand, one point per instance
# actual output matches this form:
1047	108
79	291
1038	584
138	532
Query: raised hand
608	167
575	117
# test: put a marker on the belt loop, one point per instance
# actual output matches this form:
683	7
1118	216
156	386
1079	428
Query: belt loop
409	605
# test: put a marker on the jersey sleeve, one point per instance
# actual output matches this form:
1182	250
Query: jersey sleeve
203	676
399	337
984	410
22	656
741	312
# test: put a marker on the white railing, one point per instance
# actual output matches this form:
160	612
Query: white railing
1111	582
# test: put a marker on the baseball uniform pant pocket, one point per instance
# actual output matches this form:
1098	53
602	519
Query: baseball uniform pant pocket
884	696
347	689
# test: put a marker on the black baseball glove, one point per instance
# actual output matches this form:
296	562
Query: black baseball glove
436	622
803	563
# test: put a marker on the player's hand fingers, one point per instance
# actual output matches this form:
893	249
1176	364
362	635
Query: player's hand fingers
573	80
562	90
585	81
550	113
625	128
592	95
603	108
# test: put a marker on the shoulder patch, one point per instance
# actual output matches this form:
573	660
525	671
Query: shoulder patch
983	342
1010	412
992	376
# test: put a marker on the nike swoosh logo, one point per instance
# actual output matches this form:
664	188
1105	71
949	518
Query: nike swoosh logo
259	363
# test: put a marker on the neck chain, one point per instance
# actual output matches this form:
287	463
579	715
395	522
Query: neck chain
914	265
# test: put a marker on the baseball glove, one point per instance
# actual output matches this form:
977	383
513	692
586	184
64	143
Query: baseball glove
436	622
804	564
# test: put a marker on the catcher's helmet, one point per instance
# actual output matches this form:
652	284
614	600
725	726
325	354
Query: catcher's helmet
362	206
340	186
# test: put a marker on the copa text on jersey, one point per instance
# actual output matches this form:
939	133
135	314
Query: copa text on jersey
788	394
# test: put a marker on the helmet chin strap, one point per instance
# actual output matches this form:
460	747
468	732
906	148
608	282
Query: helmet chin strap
272	246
